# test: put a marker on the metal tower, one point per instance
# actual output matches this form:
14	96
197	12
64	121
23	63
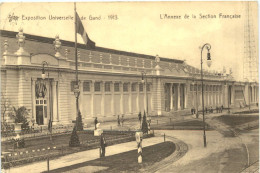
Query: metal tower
250	62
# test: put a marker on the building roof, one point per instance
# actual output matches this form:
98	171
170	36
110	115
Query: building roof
41	43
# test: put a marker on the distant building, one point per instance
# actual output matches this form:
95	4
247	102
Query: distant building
110	82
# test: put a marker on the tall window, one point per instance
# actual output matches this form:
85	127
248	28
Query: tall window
141	87
133	87
97	86
107	87
125	87
86	86
116	87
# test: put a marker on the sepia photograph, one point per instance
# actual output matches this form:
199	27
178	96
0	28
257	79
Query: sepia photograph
165	87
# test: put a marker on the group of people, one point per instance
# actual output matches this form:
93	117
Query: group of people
218	109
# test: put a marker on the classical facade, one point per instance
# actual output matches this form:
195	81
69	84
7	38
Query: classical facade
110	81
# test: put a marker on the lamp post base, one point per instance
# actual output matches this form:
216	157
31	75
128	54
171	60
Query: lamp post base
205	142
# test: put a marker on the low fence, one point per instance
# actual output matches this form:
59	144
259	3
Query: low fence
7	135
22	157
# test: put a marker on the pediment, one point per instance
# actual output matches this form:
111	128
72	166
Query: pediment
39	58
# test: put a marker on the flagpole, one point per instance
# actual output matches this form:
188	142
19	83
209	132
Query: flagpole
76	91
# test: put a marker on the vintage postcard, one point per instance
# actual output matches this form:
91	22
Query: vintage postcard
129	87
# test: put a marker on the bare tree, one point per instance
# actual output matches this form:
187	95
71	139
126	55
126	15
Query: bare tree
5	106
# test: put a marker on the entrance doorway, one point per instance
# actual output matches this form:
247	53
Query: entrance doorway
41	110
43	101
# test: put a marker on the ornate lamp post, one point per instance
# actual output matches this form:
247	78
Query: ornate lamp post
145	84
208	47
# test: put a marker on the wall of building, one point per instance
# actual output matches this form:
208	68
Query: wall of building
174	87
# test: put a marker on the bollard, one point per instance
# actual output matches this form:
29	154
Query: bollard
139	150
48	164
164	137
139	136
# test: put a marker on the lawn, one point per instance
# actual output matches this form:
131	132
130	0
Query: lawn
126	161
61	140
41	148
182	125
234	120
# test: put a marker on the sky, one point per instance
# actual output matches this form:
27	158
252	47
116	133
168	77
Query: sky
140	27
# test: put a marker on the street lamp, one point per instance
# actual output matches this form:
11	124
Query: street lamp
44	63
208	47
145	84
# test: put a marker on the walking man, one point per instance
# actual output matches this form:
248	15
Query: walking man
118	120
95	122
103	145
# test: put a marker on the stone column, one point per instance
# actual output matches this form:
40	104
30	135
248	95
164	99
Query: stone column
55	107
225	96
33	101
130	98
233	95
121	98
144	91
151	98
92	97
113	98
171	102
137	98
179	96
254	94
186	91
102	89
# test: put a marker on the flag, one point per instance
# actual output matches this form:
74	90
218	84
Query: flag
84	35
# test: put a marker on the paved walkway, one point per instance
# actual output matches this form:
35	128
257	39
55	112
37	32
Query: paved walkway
194	143
81	157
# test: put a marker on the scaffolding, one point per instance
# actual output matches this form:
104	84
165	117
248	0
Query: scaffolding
250	61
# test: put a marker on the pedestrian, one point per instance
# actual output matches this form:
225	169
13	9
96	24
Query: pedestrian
222	107
140	119
206	110
140	116
118	120
103	145
122	120
95	122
